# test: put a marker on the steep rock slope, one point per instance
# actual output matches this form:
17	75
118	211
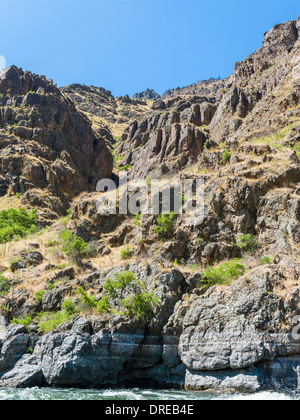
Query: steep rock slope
228	327
169	138
45	144
262	95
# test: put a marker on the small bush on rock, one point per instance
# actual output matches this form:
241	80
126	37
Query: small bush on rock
122	280
126	253
25	321
165	226
39	296
73	246
222	274
140	306
49	321
247	243
265	261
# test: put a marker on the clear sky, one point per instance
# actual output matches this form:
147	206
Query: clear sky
127	46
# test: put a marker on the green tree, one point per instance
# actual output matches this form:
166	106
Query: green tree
122	280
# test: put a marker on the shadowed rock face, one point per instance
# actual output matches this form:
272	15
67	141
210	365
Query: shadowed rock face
44	142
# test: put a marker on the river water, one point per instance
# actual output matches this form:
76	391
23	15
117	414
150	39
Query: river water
129	395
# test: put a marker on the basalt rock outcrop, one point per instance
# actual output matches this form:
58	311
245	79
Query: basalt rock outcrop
227	338
147	95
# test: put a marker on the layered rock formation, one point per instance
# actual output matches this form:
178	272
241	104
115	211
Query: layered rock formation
228	338
147	95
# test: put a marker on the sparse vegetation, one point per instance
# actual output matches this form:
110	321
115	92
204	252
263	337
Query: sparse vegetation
140	306
122	280
226	155
39	296
73	246
49	321
25	321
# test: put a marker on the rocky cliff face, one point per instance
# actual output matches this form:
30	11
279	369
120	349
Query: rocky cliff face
46	145
208	88
242	138
228	338
170	138
104	110
262	95
147	95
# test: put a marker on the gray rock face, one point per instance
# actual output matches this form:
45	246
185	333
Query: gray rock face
14	343
33	259
236	329
230	338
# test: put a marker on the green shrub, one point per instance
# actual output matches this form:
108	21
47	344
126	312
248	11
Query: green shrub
122	280
25	321
222	274
73	245
4	286
137	220
265	261
126	253
49	321
86	299
248	243
140	306
165	226
226	155
69	307
102	305
16	224
65	220
39	296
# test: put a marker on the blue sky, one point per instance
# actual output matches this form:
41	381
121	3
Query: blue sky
127	46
